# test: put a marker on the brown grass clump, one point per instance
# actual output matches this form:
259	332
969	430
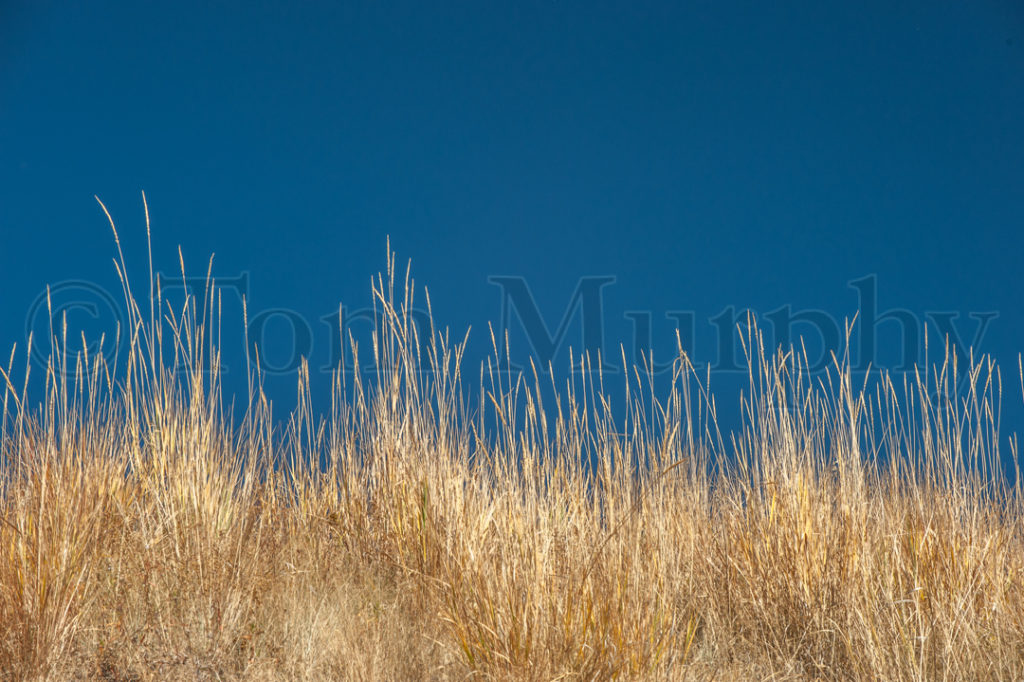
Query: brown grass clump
842	535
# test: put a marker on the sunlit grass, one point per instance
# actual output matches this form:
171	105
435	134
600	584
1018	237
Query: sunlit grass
846	533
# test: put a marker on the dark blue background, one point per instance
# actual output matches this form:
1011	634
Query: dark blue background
705	154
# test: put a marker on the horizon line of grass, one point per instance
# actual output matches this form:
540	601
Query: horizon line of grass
843	533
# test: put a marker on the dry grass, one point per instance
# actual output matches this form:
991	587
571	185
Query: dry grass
845	534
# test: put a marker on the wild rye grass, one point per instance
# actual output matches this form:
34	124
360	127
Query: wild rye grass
846	533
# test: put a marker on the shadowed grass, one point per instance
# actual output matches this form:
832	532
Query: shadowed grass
844	534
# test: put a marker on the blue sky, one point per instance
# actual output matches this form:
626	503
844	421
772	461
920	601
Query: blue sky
707	155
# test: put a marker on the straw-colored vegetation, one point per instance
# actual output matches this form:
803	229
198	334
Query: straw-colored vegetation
845	534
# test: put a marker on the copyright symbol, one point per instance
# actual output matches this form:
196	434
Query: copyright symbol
89	311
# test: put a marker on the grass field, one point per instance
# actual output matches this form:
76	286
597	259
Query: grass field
845	534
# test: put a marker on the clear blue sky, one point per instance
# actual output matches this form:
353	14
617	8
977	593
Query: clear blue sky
705	154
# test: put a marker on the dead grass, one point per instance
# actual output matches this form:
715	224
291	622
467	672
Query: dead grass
845	534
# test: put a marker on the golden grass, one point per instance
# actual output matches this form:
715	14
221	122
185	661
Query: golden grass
845	534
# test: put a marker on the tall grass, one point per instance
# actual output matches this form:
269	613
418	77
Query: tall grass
846	533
